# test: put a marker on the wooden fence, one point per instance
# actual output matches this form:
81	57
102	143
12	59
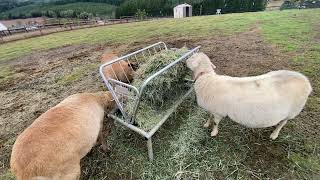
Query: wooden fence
69	25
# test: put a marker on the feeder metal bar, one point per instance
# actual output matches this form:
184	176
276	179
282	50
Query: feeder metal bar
109	82
125	84
168	113
131	54
130	126
106	79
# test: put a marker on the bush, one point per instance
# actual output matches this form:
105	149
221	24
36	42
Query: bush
85	15
300	4
50	14
68	14
310	4
141	14
288	5
36	14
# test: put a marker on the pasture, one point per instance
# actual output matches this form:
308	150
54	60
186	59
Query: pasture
37	73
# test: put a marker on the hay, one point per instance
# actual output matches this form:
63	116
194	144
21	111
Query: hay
163	91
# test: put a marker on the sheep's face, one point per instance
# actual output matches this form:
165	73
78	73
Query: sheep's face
199	60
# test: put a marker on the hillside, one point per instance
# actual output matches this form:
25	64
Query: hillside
35	10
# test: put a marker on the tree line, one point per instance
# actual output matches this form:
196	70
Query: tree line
156	8
6	5
52	14
112	2
58	11
200	7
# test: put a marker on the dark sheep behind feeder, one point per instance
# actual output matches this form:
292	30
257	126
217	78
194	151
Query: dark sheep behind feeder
122	70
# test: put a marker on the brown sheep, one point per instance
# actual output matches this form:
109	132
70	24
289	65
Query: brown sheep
53	145
122	70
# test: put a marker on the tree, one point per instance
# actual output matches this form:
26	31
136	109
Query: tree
85	15
7	4
36	14
67	14
51	14
141	14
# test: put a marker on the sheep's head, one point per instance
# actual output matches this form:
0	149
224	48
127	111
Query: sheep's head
200	62
106	100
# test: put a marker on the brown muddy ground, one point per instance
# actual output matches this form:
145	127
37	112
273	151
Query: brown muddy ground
44	80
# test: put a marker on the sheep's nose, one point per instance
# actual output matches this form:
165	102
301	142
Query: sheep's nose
134	66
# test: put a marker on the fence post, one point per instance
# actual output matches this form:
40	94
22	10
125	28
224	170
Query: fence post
150	149
40	28
1	35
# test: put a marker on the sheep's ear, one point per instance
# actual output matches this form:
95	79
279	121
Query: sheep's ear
195	63
213	66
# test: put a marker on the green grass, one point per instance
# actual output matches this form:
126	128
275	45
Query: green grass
306	163
281	27
126	33
290	32
7	176
5	72
184	150
76	74
90	7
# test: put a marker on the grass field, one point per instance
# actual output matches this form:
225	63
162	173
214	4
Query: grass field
238	44
277	26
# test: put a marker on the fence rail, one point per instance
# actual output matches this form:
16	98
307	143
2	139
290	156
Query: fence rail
13	34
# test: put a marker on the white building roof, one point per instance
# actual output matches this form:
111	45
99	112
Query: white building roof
183	5
3	27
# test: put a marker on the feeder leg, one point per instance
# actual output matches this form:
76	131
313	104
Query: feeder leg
150	150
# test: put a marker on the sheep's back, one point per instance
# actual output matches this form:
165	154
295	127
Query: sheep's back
259	101
60	136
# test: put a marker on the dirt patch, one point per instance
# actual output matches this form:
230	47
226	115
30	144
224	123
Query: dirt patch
244	54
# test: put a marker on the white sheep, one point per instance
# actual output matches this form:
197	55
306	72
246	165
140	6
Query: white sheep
256	102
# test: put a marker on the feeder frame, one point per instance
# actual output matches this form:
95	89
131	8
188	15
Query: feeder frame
111	84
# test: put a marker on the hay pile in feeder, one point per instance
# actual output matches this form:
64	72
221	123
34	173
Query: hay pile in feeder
163	91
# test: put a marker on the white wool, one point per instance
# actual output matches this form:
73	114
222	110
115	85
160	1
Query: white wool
256	102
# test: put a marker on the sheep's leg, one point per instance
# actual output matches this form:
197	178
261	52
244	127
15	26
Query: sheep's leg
104	134
102	141
217	119
72	173
275	133
209	122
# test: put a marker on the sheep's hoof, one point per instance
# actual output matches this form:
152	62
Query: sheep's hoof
105	148
206	125
214	133
274	136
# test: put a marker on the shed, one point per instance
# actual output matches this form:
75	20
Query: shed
3	27
182	10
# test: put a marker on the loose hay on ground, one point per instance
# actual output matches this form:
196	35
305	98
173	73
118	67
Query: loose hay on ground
161	93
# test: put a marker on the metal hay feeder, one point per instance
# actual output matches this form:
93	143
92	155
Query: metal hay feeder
118	90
